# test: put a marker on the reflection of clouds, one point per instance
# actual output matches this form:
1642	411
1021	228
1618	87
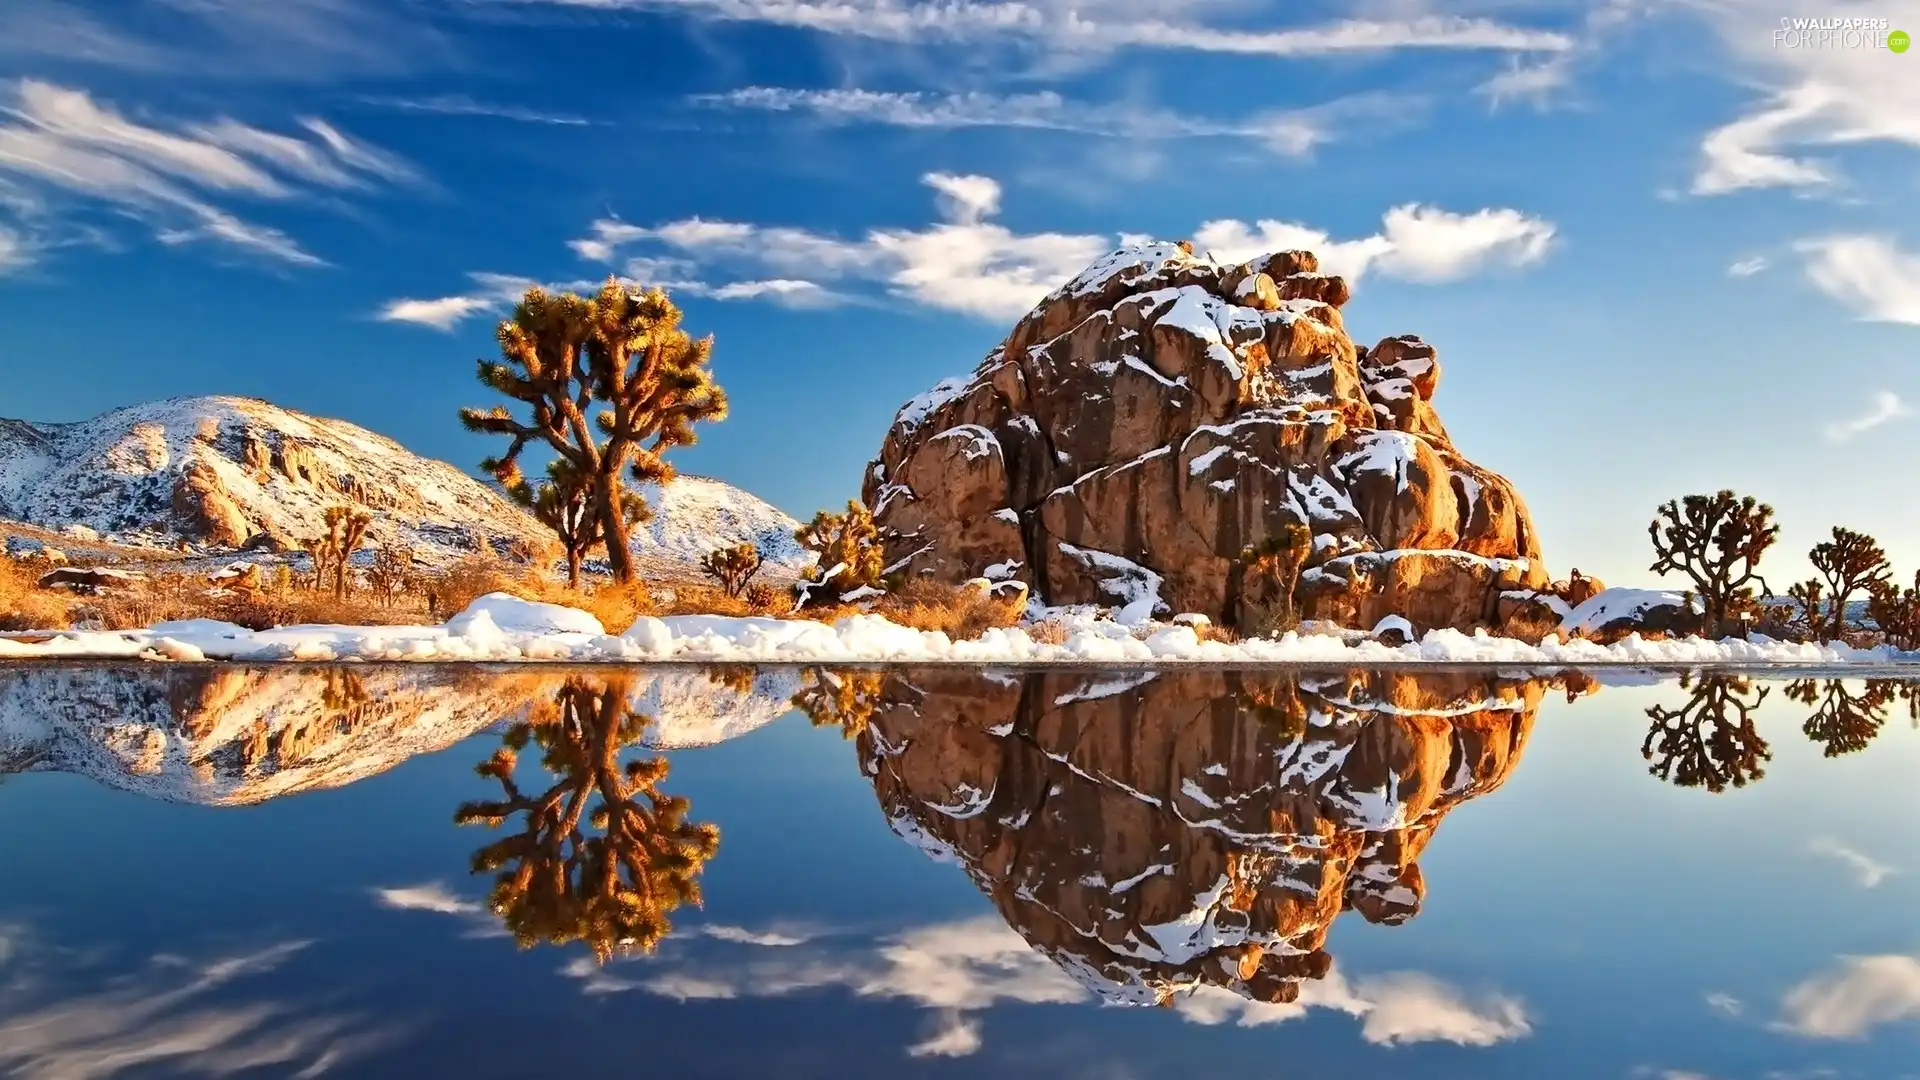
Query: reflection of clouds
771	938
1866	869
1402	1007
1861	993
161	1017
431	896
1723	1003
957	1036
961	968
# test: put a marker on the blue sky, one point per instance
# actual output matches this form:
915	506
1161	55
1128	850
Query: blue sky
1658	252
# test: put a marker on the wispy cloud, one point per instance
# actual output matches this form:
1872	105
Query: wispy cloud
59	142
1070	29
165	1018
1868	871
431	896
959	969
462	105
1867	273
1748	267
1417	243
1288	132
767	939
1811	99
1724	1003
1857	995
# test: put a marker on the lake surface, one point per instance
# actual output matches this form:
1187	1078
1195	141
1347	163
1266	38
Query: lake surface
410	871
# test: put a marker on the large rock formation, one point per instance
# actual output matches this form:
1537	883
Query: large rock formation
1160	413
1202	828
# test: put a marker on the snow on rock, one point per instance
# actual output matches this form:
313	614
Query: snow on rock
220	472
1611	605
500	613
1175	410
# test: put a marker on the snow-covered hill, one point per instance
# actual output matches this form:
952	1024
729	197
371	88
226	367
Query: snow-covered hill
216	473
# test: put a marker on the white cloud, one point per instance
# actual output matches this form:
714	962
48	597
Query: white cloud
15	251
1861	993
1812	98
771	939
175	1017
1396	1008
957	1036
1291	133
1724	1003
1869	274
59	141
1867	871
463	105
1748	267
491	293
1073	29
1417	243
965	263
431	896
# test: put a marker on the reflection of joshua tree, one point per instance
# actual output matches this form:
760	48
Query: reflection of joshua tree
1842	721
1710	741
554	881
1276	702
844	699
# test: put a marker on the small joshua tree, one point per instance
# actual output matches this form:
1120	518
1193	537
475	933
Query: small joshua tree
346	528
732	566
1276	562
564	503
392	569
1716	541
1896	612
1850	562
1807	596
848	550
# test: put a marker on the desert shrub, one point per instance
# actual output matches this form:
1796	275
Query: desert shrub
391	572
733	567
962	613
1271	577
1716	541
698	598
847	547
1896	612
24	605
616	605
764	599
1048	632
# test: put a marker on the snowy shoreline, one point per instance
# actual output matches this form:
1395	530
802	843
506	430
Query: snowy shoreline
502	629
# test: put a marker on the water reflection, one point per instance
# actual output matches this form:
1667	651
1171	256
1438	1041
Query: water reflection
600	855
1709	741
1153	835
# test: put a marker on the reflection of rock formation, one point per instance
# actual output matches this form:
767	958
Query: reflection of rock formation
601	856
1152	835
1711	740
230	735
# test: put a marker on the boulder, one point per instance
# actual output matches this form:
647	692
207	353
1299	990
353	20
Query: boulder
1196	829
1160	413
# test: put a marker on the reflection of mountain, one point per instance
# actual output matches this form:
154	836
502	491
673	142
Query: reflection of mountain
225	735
1156	835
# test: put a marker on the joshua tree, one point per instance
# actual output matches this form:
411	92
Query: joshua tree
1716	541
346	528
1275	562
733	566
846	699
1850	562
608	872
622	350
1710	741
1843	722
564	503
849	553
392	569
1896	612
1807	595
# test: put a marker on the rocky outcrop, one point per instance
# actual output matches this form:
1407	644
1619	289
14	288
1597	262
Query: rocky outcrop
1156	416
1151	835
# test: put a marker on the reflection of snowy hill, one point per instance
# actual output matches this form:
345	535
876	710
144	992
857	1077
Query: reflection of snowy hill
236	736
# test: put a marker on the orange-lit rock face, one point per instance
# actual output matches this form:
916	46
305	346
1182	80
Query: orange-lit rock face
1200	827
1161	413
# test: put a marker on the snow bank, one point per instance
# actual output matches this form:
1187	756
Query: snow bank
498	627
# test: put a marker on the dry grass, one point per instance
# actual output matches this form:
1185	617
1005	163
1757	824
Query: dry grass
24	605
1048	632
960	613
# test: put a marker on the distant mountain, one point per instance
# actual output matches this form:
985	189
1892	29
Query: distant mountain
217	473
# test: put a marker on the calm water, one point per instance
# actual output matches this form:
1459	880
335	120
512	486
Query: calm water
306	871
